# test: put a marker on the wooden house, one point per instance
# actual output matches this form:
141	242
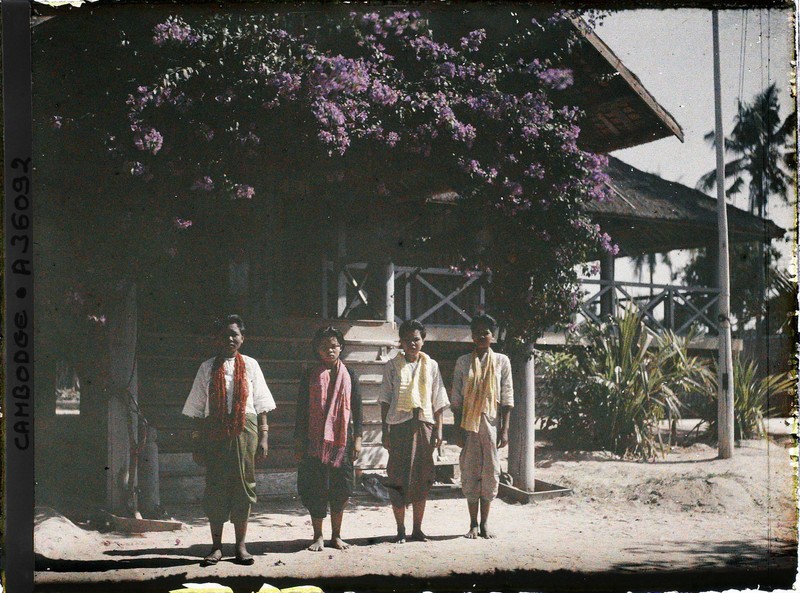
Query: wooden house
291	279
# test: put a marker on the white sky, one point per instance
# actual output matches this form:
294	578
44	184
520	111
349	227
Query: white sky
671	53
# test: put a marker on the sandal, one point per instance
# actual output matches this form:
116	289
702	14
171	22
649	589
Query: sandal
211	559
244	560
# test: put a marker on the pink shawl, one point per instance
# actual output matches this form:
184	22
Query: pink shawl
329	413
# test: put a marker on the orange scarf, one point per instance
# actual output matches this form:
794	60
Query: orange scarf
223	425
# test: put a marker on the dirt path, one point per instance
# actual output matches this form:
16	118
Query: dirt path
690	513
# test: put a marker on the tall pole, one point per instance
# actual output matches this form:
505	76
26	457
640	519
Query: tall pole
725	418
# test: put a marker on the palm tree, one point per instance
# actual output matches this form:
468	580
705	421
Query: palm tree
650	260
758	142
762	160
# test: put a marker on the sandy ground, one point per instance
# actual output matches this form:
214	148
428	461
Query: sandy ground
687	514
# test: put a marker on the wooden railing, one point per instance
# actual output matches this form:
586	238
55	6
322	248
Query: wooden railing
435	296
663	306
441	296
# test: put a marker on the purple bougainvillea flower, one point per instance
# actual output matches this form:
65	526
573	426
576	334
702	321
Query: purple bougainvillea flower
204	183
243	191
174	29
557	78
149	141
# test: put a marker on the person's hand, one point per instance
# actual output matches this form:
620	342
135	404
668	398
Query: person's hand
386	442
437	437
262	450
461	438
356	448
502	439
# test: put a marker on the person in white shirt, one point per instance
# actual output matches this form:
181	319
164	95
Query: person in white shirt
481	400
412	400
230	401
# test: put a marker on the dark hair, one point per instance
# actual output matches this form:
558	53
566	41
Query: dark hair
409	326
222	323
483	321
326	332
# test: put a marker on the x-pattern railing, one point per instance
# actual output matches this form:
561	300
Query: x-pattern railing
356	287
663	306
426	278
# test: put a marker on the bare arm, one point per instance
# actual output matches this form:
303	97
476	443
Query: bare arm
357	413
505	417
437	431
197	440
262	450
385	442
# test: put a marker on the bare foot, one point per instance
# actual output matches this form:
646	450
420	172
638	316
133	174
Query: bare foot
401	536
486	532
472	533
418	536
243	556
317	545
214	557
339	543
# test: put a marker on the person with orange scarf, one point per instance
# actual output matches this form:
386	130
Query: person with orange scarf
481	400
412	400
327	436
230	401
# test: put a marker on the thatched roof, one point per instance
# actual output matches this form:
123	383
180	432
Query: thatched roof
620	111
649	214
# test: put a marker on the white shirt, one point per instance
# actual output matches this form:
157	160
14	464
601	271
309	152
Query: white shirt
259	397
503	382
390	390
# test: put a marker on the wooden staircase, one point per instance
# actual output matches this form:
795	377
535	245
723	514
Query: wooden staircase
167	366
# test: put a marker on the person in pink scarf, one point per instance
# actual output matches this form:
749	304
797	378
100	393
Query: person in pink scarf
327	436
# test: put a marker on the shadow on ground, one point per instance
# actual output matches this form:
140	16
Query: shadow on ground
545	582
732	553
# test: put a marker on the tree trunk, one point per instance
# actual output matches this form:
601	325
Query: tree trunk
123	422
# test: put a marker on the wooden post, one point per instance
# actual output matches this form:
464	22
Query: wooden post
341	254
121	481
389	284
608	302
669	310
522	432
409	280
324	271
725	409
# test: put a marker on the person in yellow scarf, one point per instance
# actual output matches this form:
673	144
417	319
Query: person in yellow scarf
481	400
412	400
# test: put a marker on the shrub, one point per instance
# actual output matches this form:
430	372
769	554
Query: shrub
750	398
615	383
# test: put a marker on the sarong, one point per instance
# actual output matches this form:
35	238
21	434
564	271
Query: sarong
231	476
480	463
320	485
410	469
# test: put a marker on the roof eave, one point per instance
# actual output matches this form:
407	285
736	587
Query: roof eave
629	77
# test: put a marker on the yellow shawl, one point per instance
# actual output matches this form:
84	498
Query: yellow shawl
480	390
415	388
